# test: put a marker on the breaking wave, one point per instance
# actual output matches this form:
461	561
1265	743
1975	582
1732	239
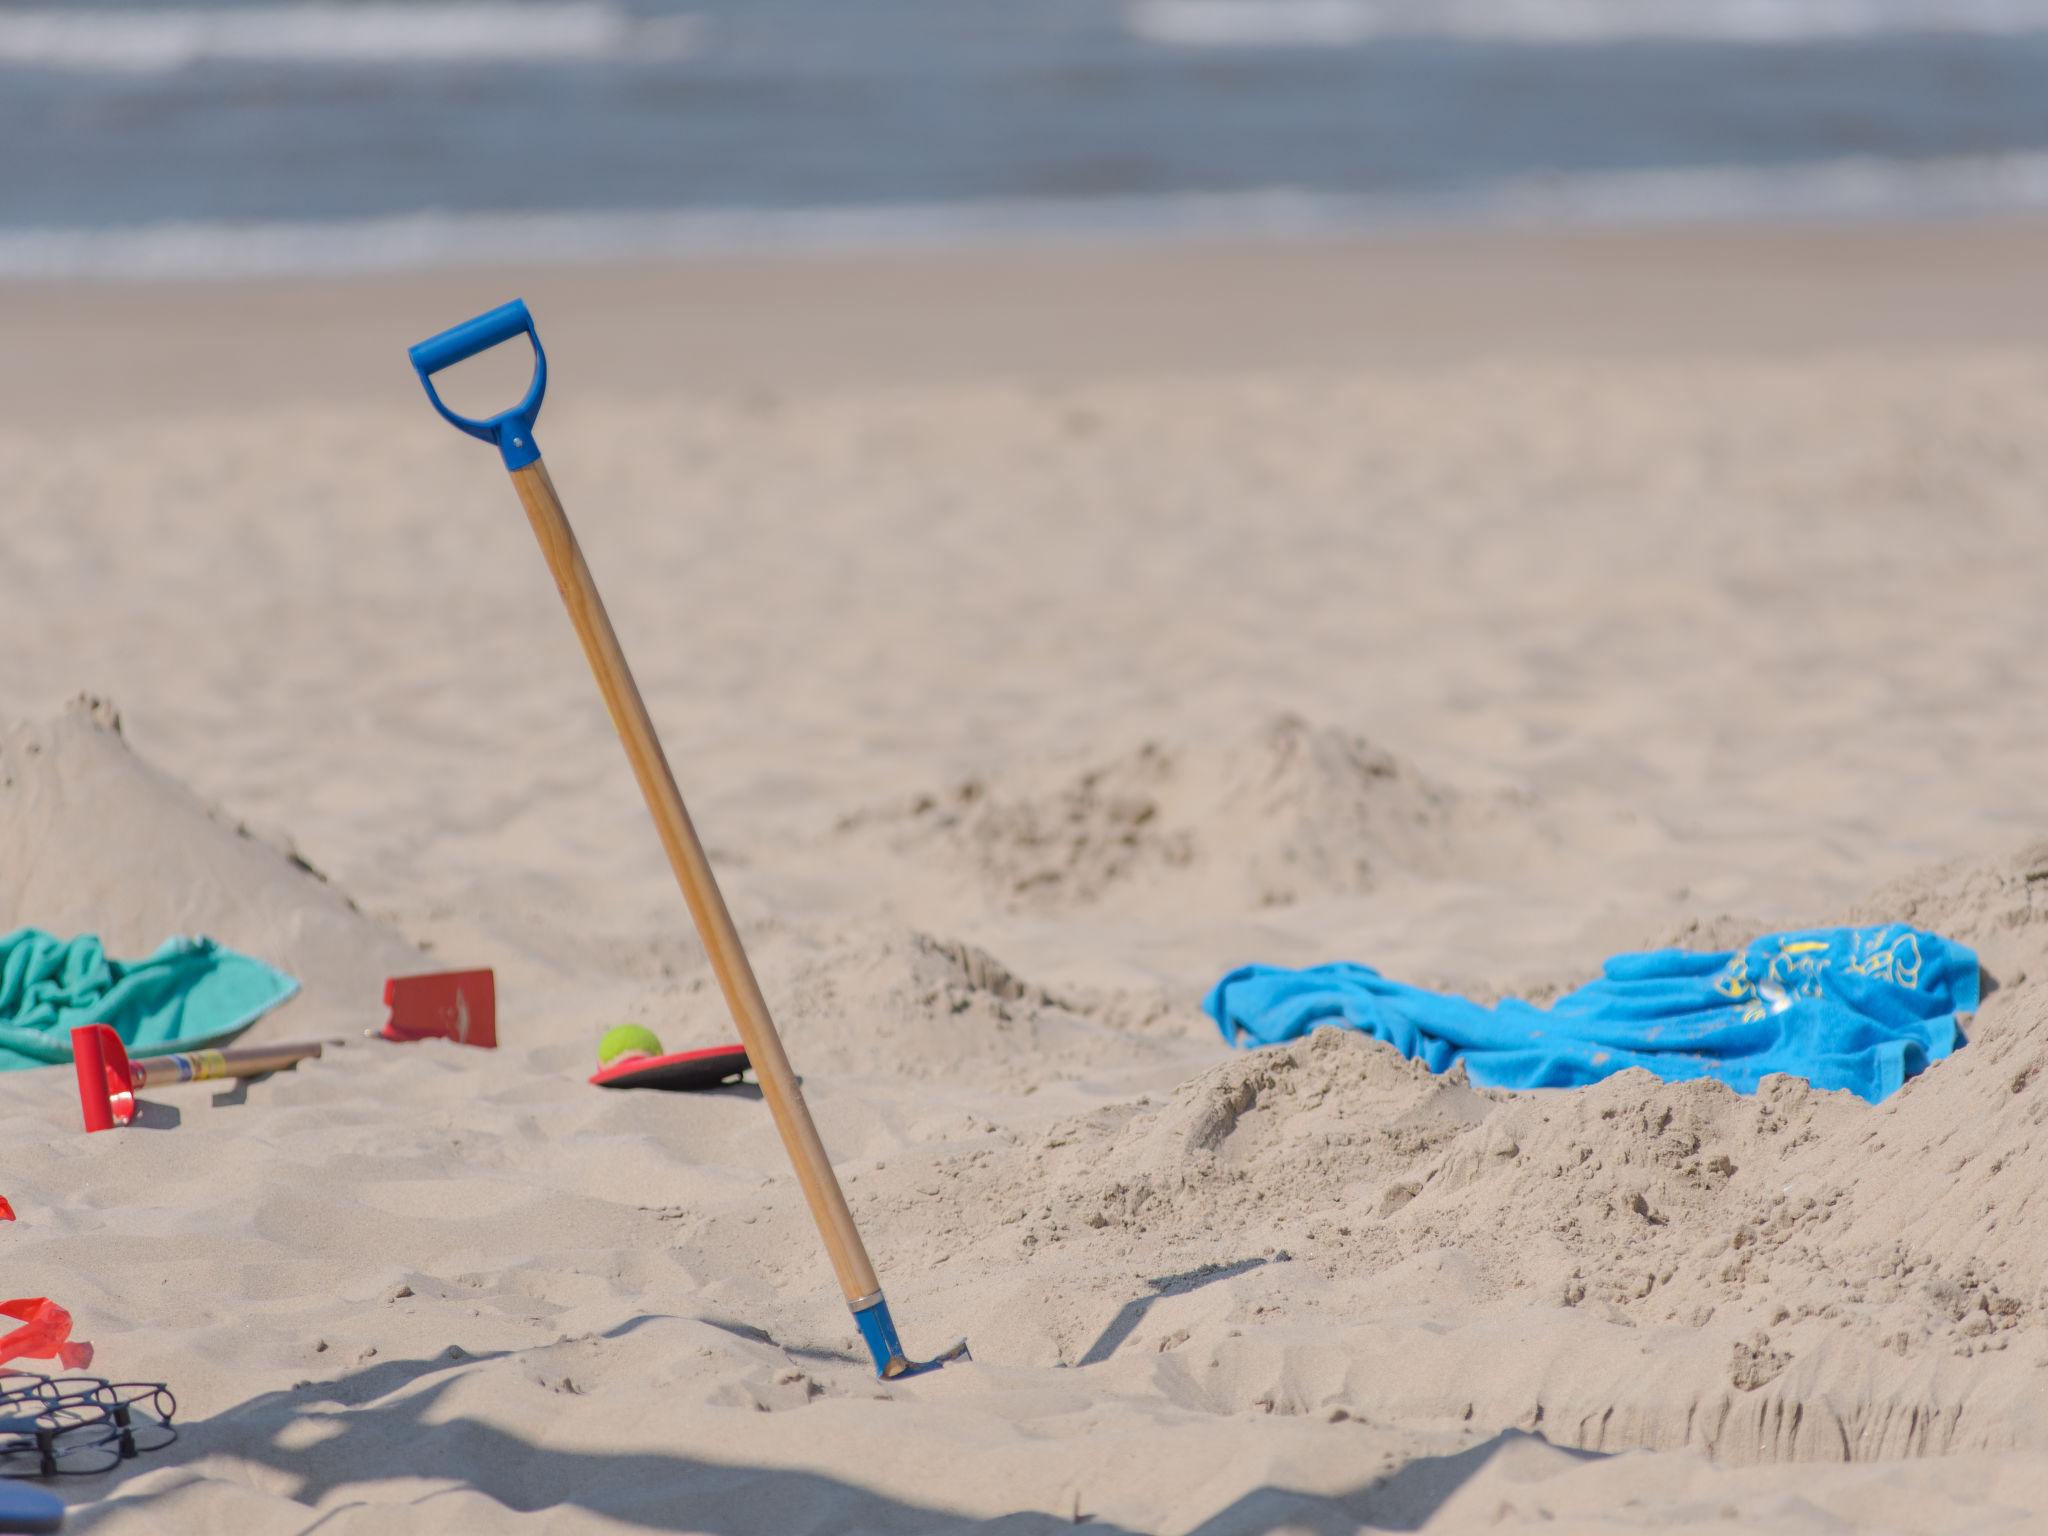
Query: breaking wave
1339	23
483	31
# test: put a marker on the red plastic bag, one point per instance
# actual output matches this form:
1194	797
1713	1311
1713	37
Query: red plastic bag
45	1334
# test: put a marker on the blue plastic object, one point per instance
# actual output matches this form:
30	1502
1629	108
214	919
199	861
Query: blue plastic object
511	430
29	1511
879	1330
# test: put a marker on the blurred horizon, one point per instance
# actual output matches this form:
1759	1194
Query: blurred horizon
255	137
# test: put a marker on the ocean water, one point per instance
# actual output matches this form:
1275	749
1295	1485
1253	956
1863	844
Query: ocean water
233	137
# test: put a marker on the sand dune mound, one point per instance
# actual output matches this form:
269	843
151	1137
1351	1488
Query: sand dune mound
913	1005
94	839
1827	1277
1289	811
1998	906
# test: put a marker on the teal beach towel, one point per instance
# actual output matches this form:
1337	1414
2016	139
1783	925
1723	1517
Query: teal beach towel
1856	1008
190	993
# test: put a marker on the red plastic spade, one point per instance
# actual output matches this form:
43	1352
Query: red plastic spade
448	1005
679	1071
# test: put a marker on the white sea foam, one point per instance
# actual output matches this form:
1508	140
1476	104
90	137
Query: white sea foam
1829	191
156	41
1337	23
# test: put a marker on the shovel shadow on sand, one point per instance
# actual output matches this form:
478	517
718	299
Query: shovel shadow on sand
755	1335
1132	1313
370	1438
369	1441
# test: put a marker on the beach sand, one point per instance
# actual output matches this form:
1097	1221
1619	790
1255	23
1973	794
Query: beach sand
1035	637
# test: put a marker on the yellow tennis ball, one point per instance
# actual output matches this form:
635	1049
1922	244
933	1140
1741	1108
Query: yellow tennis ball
623	1040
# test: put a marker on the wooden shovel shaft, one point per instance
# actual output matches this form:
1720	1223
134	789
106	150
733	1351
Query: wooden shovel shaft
205	1066
700	889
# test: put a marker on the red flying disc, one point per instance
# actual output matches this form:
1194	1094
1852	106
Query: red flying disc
680	1071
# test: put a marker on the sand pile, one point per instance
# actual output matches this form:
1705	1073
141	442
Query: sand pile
1288	811
2000	907
1817	1277
909	1004
93	839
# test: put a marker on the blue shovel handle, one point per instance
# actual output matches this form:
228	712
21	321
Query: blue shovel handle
511	430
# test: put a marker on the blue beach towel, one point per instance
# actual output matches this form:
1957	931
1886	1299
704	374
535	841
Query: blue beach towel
190	993
1856	1008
